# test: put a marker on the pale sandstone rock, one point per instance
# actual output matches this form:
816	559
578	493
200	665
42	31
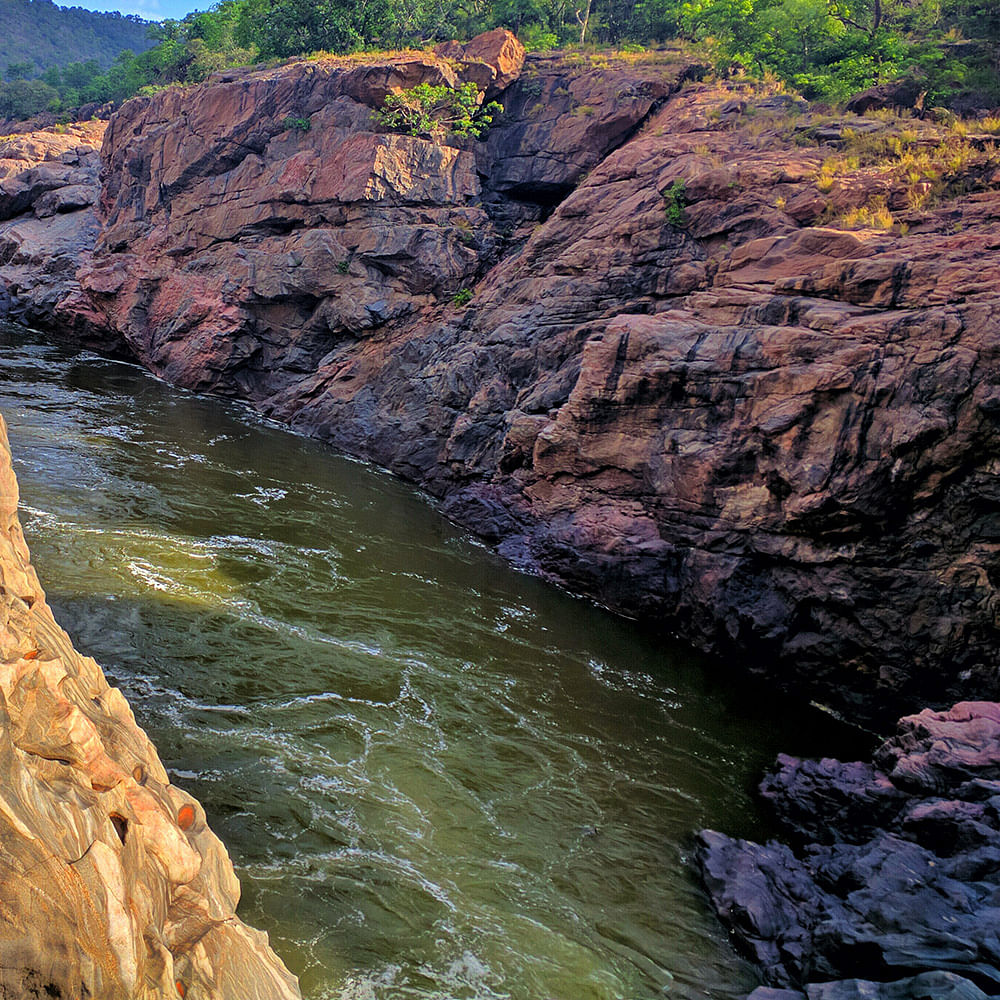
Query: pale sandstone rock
106	888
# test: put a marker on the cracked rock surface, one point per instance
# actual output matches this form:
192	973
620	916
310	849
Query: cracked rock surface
888	887
111	883
716	410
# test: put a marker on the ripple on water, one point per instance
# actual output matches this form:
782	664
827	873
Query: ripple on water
438	778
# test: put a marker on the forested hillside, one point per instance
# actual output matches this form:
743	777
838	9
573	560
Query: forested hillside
824	49
36	34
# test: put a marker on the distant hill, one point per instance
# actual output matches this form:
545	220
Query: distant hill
39	32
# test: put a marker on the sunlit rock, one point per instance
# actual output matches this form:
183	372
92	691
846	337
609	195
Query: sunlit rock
112	884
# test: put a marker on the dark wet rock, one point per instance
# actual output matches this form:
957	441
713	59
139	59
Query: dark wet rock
776	993
894	872
905	93
926	986
829	800
765	896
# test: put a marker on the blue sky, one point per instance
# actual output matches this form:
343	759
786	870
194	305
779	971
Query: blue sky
152	10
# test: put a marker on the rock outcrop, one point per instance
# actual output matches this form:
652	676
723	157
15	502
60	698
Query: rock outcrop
629	338
48	186
890	889
111	883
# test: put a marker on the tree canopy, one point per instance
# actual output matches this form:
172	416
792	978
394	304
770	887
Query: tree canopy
36	34
825	48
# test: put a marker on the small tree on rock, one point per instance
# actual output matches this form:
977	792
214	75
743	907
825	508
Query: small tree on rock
433	112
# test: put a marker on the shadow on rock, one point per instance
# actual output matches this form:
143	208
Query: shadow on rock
891	889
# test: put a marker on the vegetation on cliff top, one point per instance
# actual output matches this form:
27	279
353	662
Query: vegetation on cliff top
434	112
37	37
826	49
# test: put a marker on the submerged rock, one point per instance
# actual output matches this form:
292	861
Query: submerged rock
895	868
111	883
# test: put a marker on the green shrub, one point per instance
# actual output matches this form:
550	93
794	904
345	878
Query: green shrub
23	98
432	112
536	39
675	201
301	124
462	297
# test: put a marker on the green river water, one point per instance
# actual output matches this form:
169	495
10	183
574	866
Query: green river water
437	778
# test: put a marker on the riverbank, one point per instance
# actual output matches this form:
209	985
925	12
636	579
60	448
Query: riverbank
699	351
434	775
112	883
702	352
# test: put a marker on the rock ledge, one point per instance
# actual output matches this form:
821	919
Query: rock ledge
891	889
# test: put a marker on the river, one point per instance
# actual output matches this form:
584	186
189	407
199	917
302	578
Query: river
437	777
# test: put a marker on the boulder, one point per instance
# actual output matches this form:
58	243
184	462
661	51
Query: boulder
905	93
501	52
926	986
894	871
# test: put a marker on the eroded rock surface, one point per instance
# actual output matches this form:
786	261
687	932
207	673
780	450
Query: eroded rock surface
111	883
48	185
680	386
891	888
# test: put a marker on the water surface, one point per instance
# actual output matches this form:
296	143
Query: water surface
438	778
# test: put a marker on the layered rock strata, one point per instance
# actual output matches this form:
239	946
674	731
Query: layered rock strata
676	387
889	885
111	883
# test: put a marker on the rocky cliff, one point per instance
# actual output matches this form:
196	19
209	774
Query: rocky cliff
715	358
111	883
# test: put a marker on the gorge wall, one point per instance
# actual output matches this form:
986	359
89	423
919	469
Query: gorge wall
680	386
112	884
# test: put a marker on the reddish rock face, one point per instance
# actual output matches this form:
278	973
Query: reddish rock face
681	386
498	51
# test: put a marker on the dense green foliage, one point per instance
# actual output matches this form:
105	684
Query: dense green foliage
173	52
674	203
825	48
833	48
40	43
